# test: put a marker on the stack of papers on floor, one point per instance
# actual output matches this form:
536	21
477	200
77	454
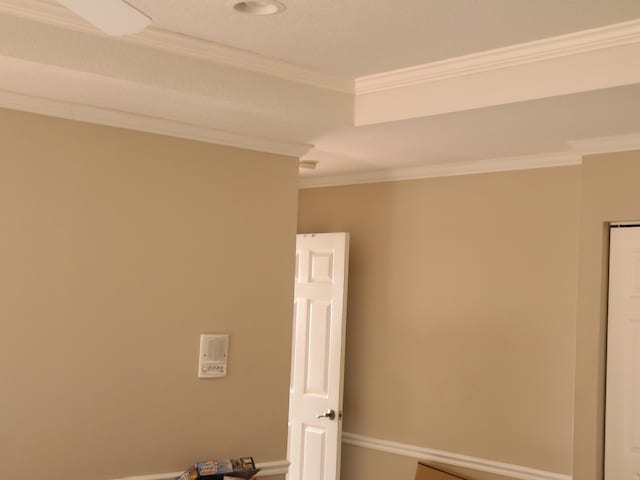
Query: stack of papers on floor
243	467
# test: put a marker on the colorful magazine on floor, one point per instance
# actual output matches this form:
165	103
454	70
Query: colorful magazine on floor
243	467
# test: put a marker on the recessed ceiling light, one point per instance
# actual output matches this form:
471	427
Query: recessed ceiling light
260	7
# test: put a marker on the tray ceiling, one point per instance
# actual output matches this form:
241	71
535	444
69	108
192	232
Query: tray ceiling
518	129
360	37
207	73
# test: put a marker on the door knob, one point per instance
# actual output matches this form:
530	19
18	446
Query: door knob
330	414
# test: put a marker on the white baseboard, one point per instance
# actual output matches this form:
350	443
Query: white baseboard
451	459
267	469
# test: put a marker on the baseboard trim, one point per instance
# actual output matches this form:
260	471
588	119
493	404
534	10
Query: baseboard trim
452	459
267	469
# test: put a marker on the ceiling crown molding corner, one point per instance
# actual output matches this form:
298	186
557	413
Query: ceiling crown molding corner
493	165
178	44
143	123
537	51
618	143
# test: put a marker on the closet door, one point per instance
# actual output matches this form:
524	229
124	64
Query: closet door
622	438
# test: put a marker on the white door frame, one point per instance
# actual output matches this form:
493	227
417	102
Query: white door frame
622	411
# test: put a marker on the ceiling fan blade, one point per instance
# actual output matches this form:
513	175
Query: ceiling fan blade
113	17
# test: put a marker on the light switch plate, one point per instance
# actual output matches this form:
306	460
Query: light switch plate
212	362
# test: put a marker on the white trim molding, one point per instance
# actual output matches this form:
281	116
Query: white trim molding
594	59
451	459
143	123
56	15
267	469
584	61
540	50
559	159
618	143
546	49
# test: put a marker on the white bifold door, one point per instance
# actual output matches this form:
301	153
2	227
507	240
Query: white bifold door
315	398
622	438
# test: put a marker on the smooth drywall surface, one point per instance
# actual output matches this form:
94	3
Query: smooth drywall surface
117	249
610	194
461	311
366	463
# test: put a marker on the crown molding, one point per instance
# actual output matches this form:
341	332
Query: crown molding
143	123
618	143
451	459
267	469
530	52
175	43
540	50
560	159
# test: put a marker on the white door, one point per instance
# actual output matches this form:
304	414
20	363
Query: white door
315	398
622	440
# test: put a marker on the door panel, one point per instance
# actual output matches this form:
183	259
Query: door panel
318	345
314	460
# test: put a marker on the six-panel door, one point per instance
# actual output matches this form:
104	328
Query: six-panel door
318	356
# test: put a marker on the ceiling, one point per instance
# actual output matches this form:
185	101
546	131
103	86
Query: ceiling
320	81
516	129
354	38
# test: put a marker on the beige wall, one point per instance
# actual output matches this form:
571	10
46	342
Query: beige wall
363	463
117	249
462	308
610	193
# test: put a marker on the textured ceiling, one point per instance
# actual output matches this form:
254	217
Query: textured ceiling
360	37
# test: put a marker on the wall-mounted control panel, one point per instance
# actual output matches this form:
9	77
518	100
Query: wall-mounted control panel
214	351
